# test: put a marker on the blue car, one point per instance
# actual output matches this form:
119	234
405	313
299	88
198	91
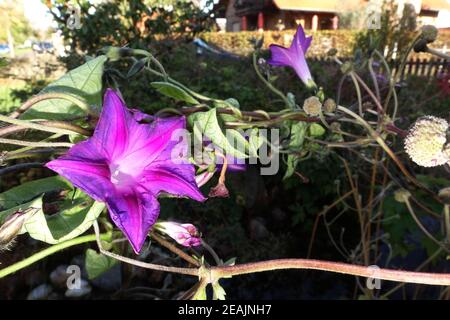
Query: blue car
4	48
41	47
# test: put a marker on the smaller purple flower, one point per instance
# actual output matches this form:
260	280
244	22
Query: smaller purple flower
294	56
185	234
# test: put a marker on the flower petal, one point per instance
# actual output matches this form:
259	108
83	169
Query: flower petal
281	56
134	213
111	133
178	180
86	168
149	141
301	41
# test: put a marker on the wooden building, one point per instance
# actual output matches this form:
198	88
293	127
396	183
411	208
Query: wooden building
253	15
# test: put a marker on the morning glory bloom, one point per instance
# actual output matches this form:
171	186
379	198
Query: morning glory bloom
294	56
127	164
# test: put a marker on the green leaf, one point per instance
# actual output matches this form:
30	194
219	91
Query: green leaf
297	138
76	212
65	225
255	141
33	204
173	91
200	294
29	190
316	130
298	130
218	292
292	161
97	263
207	124
84	81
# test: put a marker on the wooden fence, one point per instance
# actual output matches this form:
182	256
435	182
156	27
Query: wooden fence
428	68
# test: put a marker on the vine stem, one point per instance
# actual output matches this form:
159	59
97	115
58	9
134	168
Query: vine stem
268	84
28	124
47	252
442	279
52	95
215	273
54	124
35	144
145	265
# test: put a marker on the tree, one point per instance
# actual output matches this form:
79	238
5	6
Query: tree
17	28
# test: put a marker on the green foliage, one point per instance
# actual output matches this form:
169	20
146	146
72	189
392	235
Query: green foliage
395	33
84	82
297	137
207	124
75	211
14	21
97	263
135	23
174	92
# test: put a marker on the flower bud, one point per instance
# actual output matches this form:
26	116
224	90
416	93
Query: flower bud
312	106
444	195
185	234
11	228
402	195
203	178
329	105
332	52
219	191
425	142
429	33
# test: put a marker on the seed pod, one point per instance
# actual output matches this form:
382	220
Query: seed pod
312	106
329	105
11	228
425	142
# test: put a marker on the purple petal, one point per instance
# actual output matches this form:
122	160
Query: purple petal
280	57
86	169
134	213
111	133
152	142
301	41
178	180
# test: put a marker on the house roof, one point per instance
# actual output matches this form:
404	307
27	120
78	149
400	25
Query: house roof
336	6
313	5
435	5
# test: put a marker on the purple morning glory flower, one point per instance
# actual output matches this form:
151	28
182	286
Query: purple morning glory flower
294	56
127	164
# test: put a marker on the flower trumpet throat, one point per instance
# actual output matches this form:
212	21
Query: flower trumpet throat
127	164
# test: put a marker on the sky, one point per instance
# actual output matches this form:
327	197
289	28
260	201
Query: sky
37	13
